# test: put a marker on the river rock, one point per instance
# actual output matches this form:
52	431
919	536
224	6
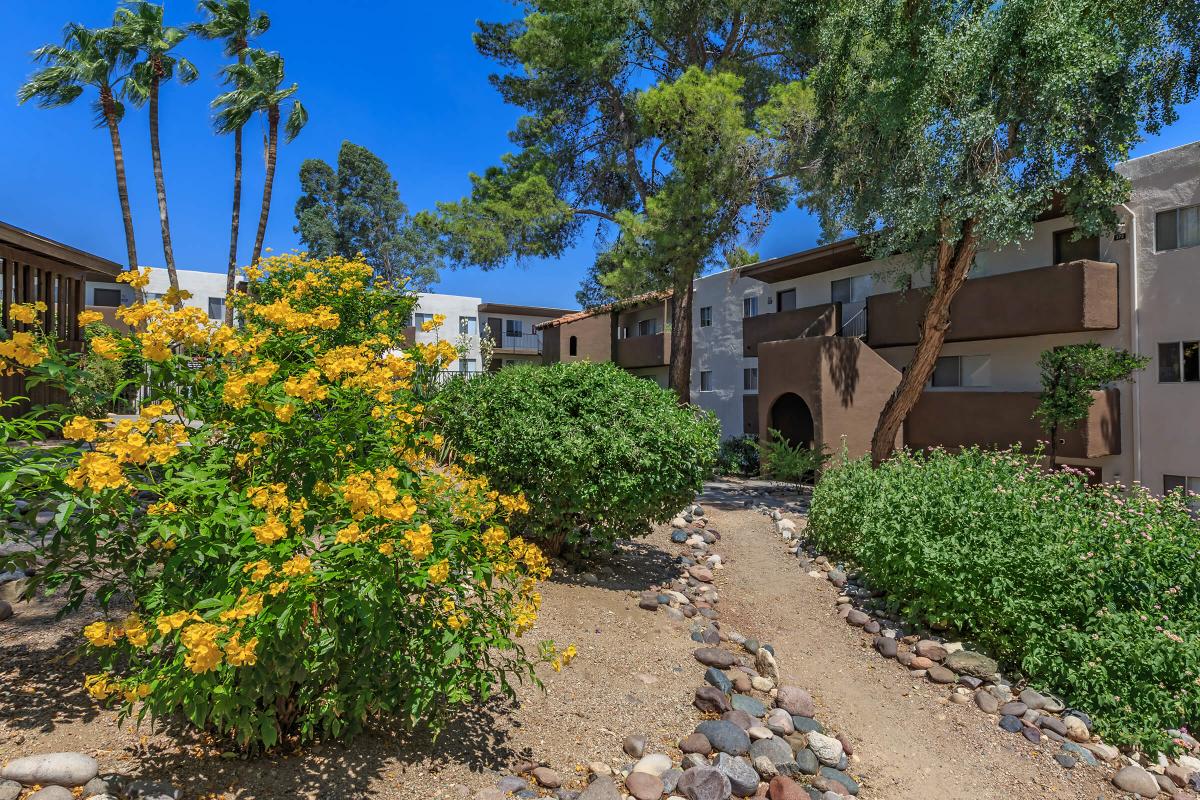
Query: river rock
634	746
743	780
695	743
764	662
700	783
968	662
827	749
784	788
886	646
795	701
1135	779
602	788
837	776
546	777
59	769
751	705
777	750
644	786
6	610
928	648
10	790
711	699
939	674
725	737
52	793
857	618
987	702
715	657
714	677
739	718
1077	731
779	722
1015	708
654	764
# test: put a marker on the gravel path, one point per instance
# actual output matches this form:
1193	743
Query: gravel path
913	743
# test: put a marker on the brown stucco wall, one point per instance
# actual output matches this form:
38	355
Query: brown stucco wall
955	419
595	340
642	351
819	320
1066	298
843	382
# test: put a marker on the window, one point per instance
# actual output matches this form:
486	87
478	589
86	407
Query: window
786	300
109	298
1067	248
423	318
706	317
1179	362
750	379
468	326
706	380
216	308
647	327
965	371
850	290
513	327
749	306
1189	484
467	365
573	345
1179	227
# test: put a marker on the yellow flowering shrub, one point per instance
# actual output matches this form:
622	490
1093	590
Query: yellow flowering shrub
302	555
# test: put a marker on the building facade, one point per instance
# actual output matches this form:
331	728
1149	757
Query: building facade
633	333
514	333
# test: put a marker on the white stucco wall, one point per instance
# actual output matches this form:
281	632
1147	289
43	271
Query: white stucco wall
718	348
454	307
202	285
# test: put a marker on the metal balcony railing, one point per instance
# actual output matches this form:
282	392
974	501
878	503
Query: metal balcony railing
854	323
531	342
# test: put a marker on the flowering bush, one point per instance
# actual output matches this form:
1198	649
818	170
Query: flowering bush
1093	593
601	453
300	552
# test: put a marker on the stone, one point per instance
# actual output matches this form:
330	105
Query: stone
1015	708
777	750
6	610
654	764
807	761
634	746
779	722
546	777
1053	724
968	662
751	705
1135	779
679	523
827	749
678	537
987	702
670	778
743	780
1032	734
644	786
702	574
648	601
795	701
59	769
725	737
739	718
807	724
741	682
886	647
764	662
764	767
10	790
857	618
759	732
928	648
511	783
1065	760
872	627
1080	754
1104	752
154	790
715	657
710	699
602	788
920	662
1011	724
1031	698
969	681
693	760
1178	774
939	674
714	677
837	578
1077	731
702	783
52	793
784	788
761	684
837	776
101	784
695	743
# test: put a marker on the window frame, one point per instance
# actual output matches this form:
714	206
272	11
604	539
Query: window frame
473	325
514	328
96	297
220	300
706	317
1061	237
1184	351
750	376
706	378
750	303
573	346
1175	213
986	360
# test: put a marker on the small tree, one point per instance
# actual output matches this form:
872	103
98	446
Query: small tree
1069	376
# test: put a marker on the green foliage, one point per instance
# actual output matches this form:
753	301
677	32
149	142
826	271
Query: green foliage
738	456
1092	593
792	463
357	209
1069	376
600	454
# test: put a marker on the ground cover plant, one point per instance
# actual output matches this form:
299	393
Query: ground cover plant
783	461
599	453
300	554
1092	593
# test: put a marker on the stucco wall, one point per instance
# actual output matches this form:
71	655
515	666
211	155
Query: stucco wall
718	348
594	339
453	306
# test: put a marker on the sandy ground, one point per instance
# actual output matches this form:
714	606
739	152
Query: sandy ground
634	674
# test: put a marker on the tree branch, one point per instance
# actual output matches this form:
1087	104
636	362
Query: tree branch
592	212
631	165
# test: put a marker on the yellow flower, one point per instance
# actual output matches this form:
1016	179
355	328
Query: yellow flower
285	412
241	655
26	312
106	347
260	437
85	318
258	569
277	588
156	348
136	279
349	534
419	542
270	531
200	640
439	572
101	634
99	686
80	428
135	632
96	471
161	509
296	566
387	548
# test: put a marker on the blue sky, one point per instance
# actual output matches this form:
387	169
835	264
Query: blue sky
401	78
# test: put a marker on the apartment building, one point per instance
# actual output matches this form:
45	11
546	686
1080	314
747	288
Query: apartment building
514	333
207	291
633	333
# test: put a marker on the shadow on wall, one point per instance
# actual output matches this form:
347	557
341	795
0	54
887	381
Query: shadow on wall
841	354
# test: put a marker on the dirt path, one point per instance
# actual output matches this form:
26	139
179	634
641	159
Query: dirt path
912	743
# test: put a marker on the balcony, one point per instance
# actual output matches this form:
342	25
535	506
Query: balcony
954	419
512	343
799	323
1065	298
642	351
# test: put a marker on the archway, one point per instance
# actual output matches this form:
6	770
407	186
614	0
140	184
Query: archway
791	417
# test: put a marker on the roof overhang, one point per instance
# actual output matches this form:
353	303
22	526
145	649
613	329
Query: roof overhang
827	257
527	311
39	248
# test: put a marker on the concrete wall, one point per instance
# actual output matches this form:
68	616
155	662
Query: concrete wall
454	307
202	285
718	349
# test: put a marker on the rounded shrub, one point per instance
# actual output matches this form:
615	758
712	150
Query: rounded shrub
600	454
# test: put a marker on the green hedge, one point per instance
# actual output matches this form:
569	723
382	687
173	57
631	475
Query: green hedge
1093	593
599	453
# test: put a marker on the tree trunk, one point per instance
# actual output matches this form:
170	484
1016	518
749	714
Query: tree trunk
950	272
114	134
235	225
272	142
680	370
1053	454
161	190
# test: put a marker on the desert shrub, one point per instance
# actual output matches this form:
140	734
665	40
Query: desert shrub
782	461
738	455
599	453
301	555
1092	593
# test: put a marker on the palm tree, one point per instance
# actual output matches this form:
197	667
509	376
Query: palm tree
88	58
140	30
234	22
258	87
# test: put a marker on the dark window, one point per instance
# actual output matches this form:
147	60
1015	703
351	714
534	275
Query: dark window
512	327
109	298
750	379
946	372
706	317
1179	227
787	300
216	308
648	327
1179	361
1067	248
749	306
706	381
573	345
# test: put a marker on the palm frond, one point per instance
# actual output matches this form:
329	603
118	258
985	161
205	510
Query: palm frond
297	119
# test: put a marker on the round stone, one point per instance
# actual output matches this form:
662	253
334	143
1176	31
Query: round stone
987	702
634	746
695	743
715	657
751	705
654	764
939	674
546	777
704	783
1135	779
743	780
927	648
59	769
795	701
644	786
886	647
710	699
827	749
725	737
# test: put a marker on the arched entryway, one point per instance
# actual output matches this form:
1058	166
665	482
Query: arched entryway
791	417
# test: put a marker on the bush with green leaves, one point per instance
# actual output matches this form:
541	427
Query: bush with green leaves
783	461
599	453
738	456
1092	593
